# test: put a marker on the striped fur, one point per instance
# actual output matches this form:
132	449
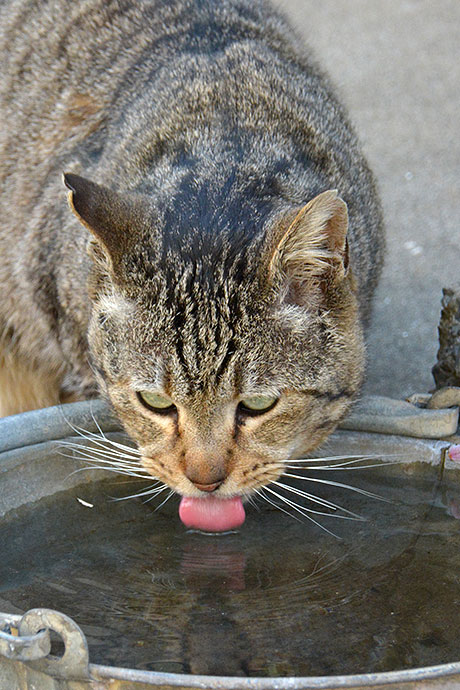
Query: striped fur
206	264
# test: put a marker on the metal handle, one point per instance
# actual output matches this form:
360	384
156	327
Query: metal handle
32	644
22	647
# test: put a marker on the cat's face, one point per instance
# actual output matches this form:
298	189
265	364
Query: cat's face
226	407
222	374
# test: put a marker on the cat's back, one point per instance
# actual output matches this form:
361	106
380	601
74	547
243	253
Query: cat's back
51	48
68	72
67	69
113	90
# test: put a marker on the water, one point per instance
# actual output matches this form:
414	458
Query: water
279	598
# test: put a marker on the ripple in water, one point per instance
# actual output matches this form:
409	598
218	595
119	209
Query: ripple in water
279	598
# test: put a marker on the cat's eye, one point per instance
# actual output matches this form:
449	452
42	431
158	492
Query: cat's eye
257	404
156	402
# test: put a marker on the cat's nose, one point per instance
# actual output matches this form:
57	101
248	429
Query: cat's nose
208	487
204	474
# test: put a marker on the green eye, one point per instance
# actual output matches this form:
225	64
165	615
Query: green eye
156	402
257	404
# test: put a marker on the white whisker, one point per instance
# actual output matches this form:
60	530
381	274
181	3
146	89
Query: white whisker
303	511
309	510
153	490
136	470
101	449
316	499
108	469
98	437
171	493
157	494
128	481
340	484
79	448
355	458
324	502
120	450
272	503
123	447
95	421
337	457
106	454
339	466
252	502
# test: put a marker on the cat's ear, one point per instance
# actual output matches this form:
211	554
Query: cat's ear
109	216
308	247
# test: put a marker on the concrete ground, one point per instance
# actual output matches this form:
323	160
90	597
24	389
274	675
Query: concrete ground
396	66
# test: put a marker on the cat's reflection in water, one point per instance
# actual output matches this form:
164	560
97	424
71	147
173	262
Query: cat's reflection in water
223	564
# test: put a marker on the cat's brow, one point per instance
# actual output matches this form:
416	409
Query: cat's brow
330	396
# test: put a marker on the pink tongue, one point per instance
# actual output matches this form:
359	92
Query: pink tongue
212	514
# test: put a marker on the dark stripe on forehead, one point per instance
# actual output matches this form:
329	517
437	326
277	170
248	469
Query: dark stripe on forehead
178	322
227	359
204	336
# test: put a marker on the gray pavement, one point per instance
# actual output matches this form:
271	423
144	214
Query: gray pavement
396	65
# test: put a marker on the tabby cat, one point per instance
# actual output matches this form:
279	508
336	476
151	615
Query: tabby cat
217	271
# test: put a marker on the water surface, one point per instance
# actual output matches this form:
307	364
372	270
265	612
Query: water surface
279	598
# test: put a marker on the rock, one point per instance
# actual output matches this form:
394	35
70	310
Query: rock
444	397
446	371
386	416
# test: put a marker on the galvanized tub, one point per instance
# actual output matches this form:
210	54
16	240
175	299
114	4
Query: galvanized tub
31	468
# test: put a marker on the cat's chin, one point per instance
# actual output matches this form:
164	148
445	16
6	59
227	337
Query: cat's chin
212	514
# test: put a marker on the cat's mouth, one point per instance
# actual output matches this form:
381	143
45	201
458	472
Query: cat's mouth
212	514
209	511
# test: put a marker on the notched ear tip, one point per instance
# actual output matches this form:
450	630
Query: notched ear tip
108	215
77	184
73	184
66	178
71	181
84	196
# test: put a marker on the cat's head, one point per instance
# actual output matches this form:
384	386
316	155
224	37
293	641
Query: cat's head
222	357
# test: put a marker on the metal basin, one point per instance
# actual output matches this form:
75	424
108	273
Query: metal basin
282	604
